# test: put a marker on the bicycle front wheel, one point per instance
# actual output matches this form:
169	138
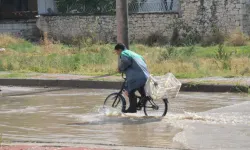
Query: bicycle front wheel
115	101
157	108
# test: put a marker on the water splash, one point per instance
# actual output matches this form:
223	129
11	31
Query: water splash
109	111
217	127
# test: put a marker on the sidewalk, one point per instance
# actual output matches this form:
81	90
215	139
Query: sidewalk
23	147
210	84
209	80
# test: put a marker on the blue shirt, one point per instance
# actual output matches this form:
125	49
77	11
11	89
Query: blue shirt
135	68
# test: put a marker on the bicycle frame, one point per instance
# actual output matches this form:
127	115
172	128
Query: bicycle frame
120	92
140	103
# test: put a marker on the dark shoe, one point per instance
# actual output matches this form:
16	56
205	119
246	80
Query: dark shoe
129	110
132	107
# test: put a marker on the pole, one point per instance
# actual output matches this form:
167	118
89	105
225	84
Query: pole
122	22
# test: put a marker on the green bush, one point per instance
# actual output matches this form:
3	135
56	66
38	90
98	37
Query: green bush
215	38
155	39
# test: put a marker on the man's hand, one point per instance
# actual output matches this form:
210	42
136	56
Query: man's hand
118	70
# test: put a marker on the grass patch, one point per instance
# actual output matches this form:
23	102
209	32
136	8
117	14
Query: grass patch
14	75
98	59
23	47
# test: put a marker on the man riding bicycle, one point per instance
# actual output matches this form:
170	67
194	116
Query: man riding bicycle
135	68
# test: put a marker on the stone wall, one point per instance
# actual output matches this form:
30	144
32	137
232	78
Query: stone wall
203	15
104	27
246	16
227	15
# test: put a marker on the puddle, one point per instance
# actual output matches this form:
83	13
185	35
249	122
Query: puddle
74	117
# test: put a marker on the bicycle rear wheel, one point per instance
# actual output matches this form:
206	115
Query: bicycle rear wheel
115	101
157	108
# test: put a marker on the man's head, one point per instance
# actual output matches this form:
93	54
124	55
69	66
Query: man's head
119	48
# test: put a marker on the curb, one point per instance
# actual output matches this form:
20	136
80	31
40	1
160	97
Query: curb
186	87
214	88
62	83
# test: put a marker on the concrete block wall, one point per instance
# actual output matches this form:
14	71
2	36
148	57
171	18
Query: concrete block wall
23	28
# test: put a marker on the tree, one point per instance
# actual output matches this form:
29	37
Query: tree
86	6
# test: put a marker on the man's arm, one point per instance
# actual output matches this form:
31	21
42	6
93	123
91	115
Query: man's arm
125	62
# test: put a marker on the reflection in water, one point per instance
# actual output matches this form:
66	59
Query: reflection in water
72	117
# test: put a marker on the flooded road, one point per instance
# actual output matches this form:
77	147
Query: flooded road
75	117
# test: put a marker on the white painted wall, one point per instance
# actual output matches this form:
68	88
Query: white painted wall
45	5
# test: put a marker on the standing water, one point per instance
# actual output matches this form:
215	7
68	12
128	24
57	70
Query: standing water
194	121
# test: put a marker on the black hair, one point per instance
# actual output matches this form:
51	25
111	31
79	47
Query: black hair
120	46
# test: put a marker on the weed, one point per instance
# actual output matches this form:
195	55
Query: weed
237	38
224	57
168	53
221	54
189	51
245	71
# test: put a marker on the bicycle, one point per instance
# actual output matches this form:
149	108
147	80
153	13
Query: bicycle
150	107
